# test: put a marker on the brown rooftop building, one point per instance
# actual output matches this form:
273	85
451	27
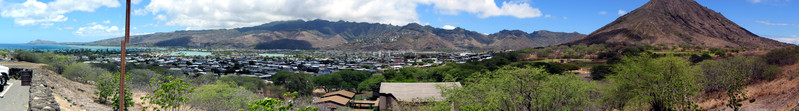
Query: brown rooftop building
342	93
336	100
393	93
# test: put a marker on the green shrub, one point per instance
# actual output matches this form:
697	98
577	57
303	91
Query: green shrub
600	71
83	72
295	82
272	104
108	90
520	89
784	56
141	77
170	94
249	83
666	83
221	96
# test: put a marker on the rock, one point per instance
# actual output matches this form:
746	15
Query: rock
48	108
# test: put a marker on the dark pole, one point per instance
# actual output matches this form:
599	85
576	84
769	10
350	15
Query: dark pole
122	65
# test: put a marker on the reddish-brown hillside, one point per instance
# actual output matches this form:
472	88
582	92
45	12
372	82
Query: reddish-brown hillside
677	22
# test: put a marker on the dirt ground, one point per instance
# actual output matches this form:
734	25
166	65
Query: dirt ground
781	94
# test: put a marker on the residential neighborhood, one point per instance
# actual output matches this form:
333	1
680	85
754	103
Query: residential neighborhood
265	65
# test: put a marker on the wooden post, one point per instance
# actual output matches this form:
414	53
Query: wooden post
122	65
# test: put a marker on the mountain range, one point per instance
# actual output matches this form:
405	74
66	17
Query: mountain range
341	35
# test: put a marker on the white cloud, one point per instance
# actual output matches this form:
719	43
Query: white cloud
484	8
205	14
139	12
448	27
107	21
160	17
135	1
622	12
98	30
768	1
32	12
765	22
565	18
792	40
603	12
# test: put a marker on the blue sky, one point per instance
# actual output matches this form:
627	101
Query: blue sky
89	20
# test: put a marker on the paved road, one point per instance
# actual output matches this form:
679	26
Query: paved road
16	97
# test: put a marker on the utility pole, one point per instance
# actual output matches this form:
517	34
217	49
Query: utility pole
122	65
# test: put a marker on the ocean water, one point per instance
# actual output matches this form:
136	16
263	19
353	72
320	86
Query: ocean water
51	47
34	46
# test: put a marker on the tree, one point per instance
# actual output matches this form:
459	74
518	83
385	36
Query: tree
249	83
696	58
105	88
83	72
272	104
221	96
664	83
108	89
600	71
566	92
141	77
169	94
733	74
350	79
784	56
327	82
295	82
523	89
372	84
555	68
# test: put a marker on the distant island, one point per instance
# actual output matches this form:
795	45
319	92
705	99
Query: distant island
39	41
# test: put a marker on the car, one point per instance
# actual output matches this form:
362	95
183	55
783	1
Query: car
3	80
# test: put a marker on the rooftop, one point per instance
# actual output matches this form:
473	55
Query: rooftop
343	93
334	99
416	91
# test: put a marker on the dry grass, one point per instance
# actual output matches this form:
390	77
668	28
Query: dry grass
780	94
64	104
139	103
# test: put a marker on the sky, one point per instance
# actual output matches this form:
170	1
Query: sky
22	21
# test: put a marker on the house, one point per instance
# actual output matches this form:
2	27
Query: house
393	93
342	93
334	100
